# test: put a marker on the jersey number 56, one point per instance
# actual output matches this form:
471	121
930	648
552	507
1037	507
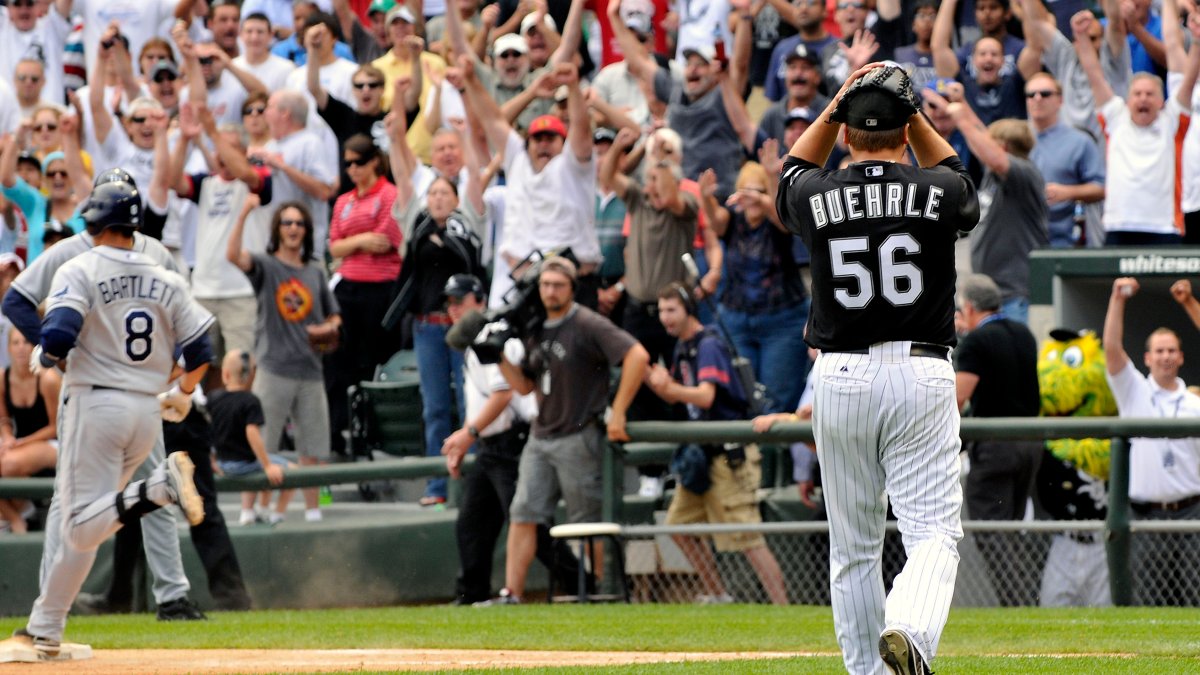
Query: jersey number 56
900	282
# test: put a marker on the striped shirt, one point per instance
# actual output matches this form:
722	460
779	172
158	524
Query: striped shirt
355	214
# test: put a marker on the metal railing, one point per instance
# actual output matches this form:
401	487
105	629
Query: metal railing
654	442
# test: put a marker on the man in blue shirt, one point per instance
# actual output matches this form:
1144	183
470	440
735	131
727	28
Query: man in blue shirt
1069	160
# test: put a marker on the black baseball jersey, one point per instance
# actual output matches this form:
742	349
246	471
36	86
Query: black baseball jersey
881	236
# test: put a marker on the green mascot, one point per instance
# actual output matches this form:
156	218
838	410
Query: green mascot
1071	480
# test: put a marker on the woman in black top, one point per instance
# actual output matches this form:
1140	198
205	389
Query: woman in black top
28	424
441	239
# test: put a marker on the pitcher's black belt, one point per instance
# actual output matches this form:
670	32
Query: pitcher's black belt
917	349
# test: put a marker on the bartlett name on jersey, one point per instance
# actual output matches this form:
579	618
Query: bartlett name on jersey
136	287
874	200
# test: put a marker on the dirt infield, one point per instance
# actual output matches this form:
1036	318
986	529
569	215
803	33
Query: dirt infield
179	661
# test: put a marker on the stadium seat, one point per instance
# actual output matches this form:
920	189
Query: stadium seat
402	364
386	416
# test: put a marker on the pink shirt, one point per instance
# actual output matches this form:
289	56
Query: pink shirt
372	212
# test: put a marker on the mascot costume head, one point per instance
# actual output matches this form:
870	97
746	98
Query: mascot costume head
1071	480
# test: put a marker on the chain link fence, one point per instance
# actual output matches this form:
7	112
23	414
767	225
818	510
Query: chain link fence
1003	563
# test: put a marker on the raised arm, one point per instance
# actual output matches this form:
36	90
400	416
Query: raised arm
612	180
234	252
102	119
1115	356
475	187
483	106
716	214
579	134
168	164
571	36
8	161
981	143
197	87
743	36
1153	46
346	18
1115	33
735	110
1039	34
400	155
454	29
232	155
1191	64
641	64
945	61
542	87
1088	60
1172	37
1181	291
313	38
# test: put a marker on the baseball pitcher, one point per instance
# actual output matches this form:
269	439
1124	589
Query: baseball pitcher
885	419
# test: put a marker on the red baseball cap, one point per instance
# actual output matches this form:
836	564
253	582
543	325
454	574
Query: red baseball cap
548	124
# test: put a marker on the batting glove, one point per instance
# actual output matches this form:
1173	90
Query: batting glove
174	405
40	361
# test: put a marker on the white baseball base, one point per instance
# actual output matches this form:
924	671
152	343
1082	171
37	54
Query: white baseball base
16	650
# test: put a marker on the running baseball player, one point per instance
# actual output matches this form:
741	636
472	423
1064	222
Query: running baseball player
160	535
882	235
116	318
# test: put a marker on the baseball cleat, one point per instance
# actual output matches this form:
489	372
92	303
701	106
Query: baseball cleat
180	609
900	655
183	488
24	647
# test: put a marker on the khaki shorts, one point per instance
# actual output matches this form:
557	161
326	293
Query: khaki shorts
234	325
733	498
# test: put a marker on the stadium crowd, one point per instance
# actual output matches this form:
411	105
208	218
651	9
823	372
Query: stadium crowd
414	140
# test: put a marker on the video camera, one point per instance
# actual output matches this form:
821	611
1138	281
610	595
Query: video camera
521	315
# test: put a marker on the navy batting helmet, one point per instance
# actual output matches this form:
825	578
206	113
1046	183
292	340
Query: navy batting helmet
114	175
459	285
112	205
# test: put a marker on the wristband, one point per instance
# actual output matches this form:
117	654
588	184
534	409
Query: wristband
473	432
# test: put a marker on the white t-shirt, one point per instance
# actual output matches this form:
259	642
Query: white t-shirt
140	20
1191	159
702	23
452	104
214	277
336	79
1142	179
44	41
1160	469
273	72
224	100
305	151
552	208
10	111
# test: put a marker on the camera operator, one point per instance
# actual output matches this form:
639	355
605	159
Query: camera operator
497	424
568	364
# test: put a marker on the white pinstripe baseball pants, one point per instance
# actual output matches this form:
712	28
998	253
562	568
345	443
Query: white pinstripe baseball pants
887	426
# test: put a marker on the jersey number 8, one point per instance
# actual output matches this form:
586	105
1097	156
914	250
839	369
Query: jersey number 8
139	325
900	282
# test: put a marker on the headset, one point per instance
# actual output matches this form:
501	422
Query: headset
245	370
689	303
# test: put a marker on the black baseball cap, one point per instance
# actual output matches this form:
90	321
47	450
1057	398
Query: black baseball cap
604	135
803	52
460	285
800	114
54	229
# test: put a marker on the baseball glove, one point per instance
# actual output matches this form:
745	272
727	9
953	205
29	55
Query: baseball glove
892	82
323	337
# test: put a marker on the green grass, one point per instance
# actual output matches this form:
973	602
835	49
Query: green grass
1113	640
